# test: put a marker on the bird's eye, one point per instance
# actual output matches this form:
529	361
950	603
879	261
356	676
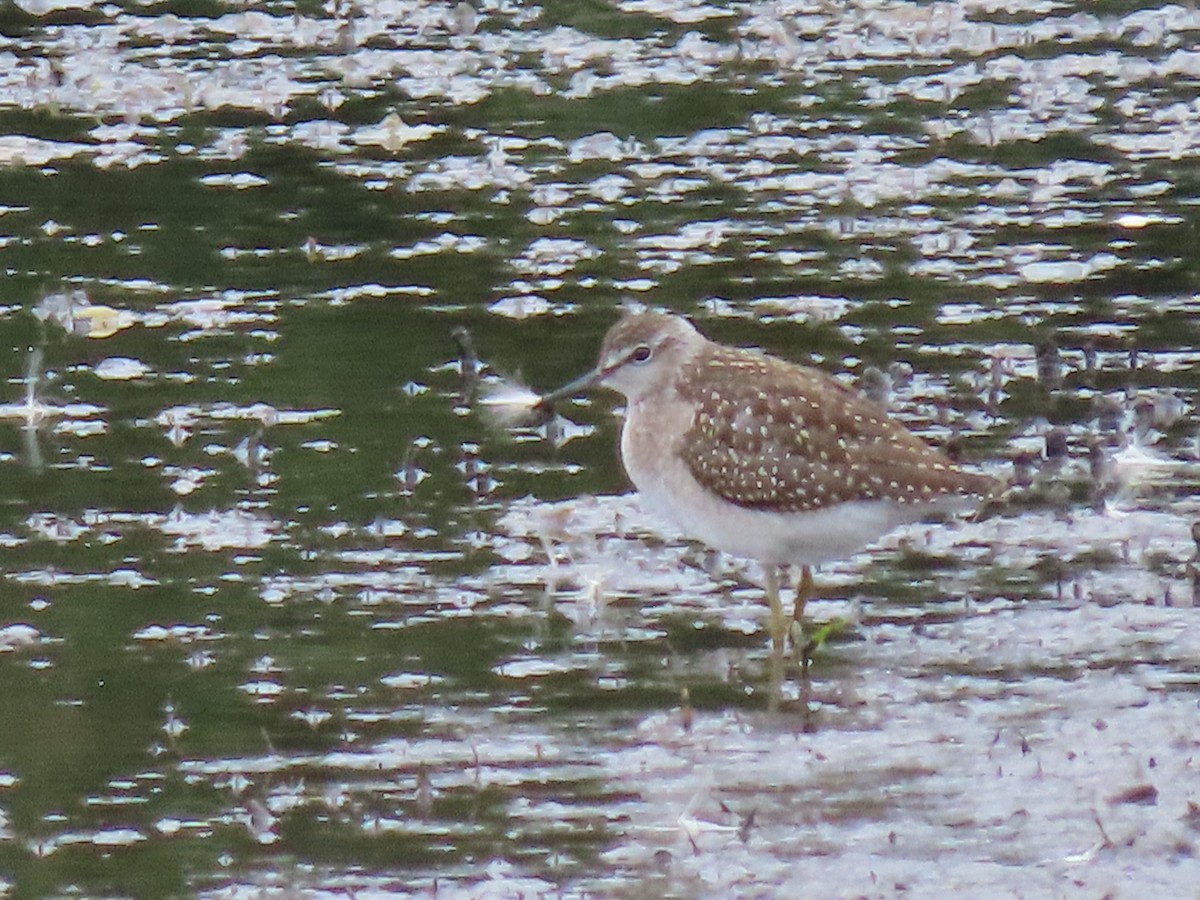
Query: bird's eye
640	353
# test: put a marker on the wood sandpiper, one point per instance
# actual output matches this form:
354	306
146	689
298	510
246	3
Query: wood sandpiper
762	458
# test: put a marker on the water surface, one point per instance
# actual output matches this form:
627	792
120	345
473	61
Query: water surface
281	613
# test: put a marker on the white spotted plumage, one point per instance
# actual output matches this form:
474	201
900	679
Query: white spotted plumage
764	458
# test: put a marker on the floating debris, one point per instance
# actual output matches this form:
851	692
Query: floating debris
508	403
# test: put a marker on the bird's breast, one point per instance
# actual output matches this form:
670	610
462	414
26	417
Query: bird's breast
650	442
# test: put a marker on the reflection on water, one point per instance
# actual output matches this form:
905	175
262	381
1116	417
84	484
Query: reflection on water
283	613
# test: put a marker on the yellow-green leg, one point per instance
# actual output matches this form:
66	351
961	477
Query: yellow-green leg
804	593
803	644
779	622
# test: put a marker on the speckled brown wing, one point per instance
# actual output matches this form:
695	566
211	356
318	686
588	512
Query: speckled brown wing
776	436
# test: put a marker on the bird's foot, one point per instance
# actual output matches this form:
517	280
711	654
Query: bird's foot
805	645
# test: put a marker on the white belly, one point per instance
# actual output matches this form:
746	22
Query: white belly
778	538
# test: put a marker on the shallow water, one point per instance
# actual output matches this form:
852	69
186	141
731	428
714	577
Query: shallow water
283	614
